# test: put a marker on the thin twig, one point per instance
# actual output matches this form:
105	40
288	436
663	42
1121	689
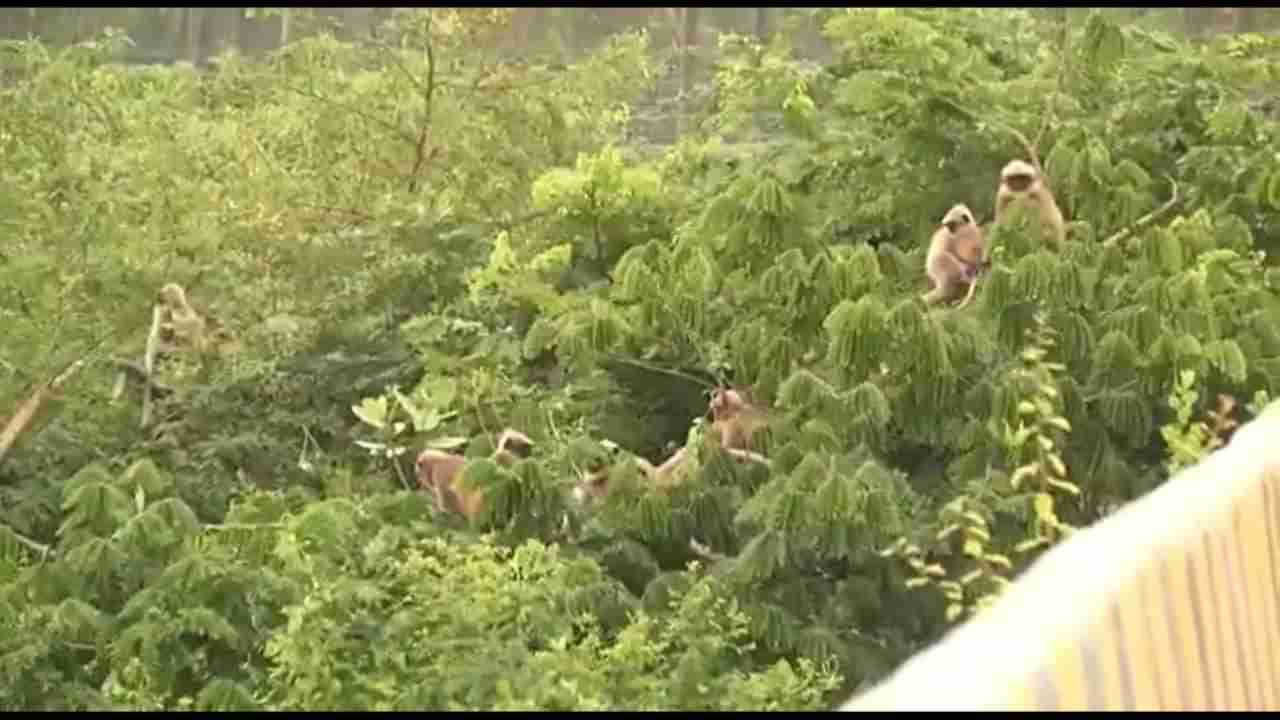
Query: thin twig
428	94
30	544
654	368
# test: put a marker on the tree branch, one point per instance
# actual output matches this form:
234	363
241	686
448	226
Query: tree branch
389	126
28	409
1147	219
705	552
428	94
149	361
30	544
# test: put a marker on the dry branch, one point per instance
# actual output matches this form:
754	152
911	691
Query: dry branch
149	360
28	409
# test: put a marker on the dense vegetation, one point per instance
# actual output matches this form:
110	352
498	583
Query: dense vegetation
415	241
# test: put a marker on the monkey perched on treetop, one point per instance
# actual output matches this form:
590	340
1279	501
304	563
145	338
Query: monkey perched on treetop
955	255
1023	182
736	425
736	421
440	472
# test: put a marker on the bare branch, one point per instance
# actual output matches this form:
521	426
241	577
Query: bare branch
28	543
149	360
28	409
420	154
751	456
705	552
1050	113
1147	219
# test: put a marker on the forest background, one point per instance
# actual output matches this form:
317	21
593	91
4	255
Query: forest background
413	228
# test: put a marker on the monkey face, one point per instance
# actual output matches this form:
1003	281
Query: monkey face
593	486
1018	176
1019	182
516	443
726	403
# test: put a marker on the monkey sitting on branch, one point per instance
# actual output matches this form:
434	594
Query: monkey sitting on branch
1026	184
441	473
180	326
175	325
735	426
956	255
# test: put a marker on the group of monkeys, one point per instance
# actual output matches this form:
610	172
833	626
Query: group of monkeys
736	423
956	251
956	255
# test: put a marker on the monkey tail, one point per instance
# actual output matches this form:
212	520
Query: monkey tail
973	284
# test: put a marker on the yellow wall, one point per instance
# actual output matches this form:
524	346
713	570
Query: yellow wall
1173	603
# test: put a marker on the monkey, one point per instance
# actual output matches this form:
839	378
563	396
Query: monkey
955	254
1022	181
174	324
595	485
735	425
439	471
736	422
182	324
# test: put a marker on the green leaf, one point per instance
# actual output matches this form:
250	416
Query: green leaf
372	411
1043	505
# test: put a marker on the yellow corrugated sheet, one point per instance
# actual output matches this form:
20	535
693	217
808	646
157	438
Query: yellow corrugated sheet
1169	604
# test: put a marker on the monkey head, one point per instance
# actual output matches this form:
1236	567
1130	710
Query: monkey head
599	483
957	218
592	486
172	295
435	468
1019	176
514	442
726	403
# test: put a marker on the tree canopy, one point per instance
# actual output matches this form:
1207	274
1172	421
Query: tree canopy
418	236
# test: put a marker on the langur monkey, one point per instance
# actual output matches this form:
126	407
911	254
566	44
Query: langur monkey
955	255
735	424
595	485
175	325
1021	181
182	324
440	471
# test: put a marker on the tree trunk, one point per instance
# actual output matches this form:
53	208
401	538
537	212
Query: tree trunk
195	35
357	21
521	27
77	24
243	30
380	16
284	27
688	65
1197	22
221	30
177	24
1248	19
762	25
